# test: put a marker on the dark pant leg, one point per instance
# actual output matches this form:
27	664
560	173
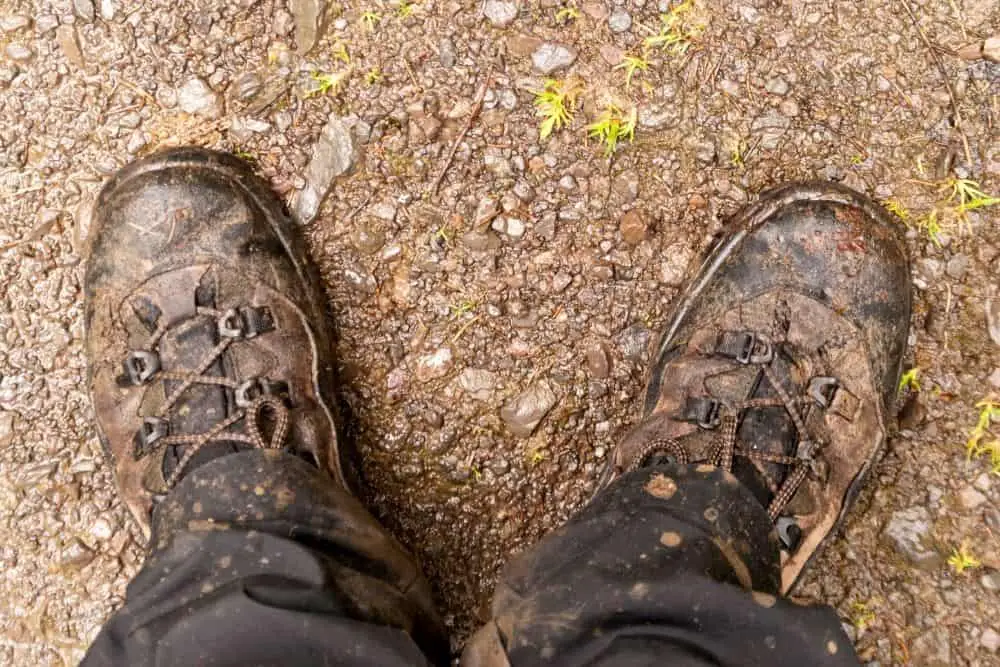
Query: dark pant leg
671	565
258	559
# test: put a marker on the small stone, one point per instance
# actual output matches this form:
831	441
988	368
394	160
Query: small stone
673	268
990	581
990	640
309	16
68	41
384	210
906	532
332	156
435	365
18	52
956	266
991	49
526	193
107	10
101	529
446	52
634	342
995	378
136	141
705	151
499	13
14	23
486	211
76	556
84	9
749	14
620	20
983	482
598	364
789	108
195	97
478	383
567	183
993	319
633	227
772	126
524	412
550	57
970	499
247	85
514	228
777	86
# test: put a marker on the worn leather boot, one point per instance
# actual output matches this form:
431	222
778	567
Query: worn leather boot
206	326
780	360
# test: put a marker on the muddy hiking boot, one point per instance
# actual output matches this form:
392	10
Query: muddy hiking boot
206	326
780	360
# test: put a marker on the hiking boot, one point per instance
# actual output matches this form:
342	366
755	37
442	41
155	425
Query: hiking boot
206	327
781	358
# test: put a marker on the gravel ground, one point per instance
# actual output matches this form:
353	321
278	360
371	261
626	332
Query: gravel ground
526	287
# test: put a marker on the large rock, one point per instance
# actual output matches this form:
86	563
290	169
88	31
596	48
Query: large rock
908	533
332	155
525	411
309	17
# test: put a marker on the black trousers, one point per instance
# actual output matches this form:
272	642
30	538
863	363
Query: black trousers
256	559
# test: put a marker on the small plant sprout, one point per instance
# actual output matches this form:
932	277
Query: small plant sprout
536	456
962	559
373	76
862	614
910	380
371	19
897	209
567	14
738	153
327	83
405	9
631	65
677	30
556	103
462	307
611	127
969	196
340	53
930	224
982	442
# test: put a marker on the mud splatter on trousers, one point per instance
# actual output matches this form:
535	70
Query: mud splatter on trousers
256	559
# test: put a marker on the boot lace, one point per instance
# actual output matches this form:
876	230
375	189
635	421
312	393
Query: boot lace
254	398
805	461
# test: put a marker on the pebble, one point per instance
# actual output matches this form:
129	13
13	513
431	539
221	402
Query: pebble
550	57
247	85
478	383
446	52
524	412
567	183
18	52
620	20
673	268
956	266
434	365
76	556
524	191
990	640
332	155
772	126
993	319
598	364
514	228
107	10
69	42
990	581
84	9
136	141
970	498
195	97
46	23
101	529
14	22
906	531
634	342
777	86
499	13
308	15
633	227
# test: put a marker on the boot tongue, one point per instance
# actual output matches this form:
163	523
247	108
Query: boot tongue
201	406
767	430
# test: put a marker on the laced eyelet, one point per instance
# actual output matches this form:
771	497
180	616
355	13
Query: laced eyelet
140	366
822	389
255	387
245	322
789	532
152	430
703	411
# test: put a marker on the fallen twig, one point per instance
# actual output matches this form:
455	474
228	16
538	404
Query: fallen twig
477	106
956	120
